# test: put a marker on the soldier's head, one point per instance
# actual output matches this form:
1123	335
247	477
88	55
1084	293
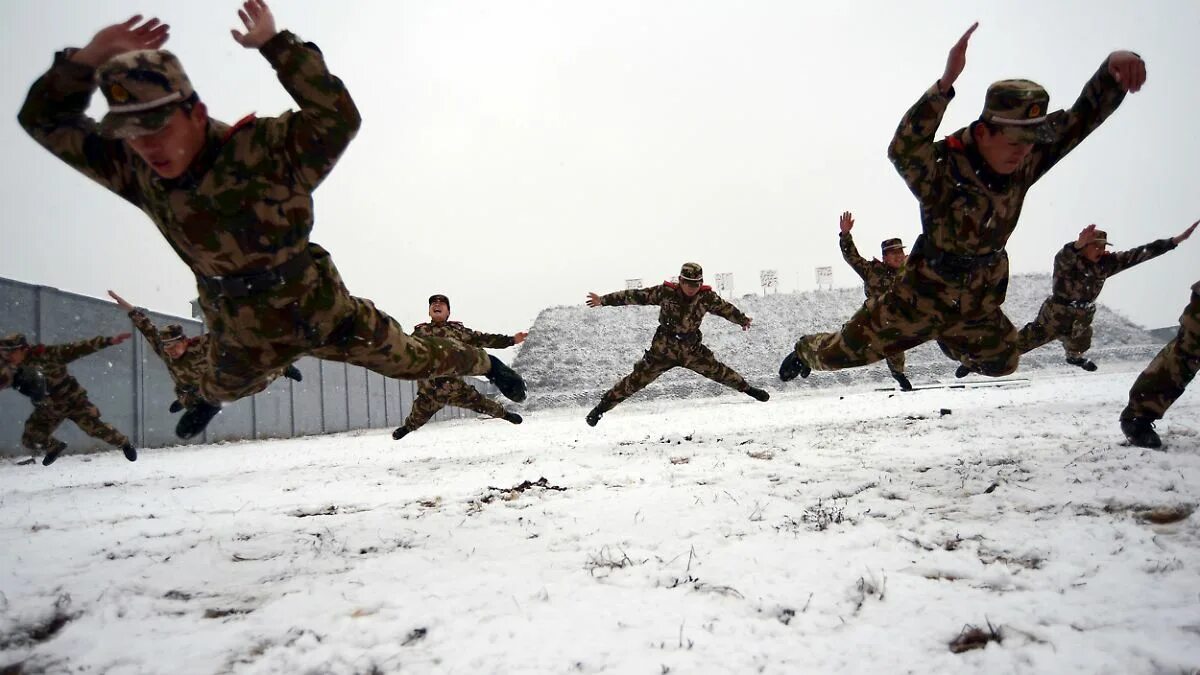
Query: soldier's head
153	108
1014	119
893	253
691	276
1096	248
13	349
175	343
439	307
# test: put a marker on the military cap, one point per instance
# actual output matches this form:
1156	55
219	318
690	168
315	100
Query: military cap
13	341
172	333
1020	108
1101	238
891	244
691	272
143	88
438	297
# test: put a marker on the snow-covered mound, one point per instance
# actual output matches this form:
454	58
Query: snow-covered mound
573	354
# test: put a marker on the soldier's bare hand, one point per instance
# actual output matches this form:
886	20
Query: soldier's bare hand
120	302
259	23
746	326
1129	69
118	339
1182	237
594	300
520	337
956	60
1086	235
846	222
119	38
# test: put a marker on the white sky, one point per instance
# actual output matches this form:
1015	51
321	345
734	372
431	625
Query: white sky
517	154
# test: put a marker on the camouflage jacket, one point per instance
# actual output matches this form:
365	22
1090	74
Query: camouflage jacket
877	276
679	316
964	210
52	361
456	331
1078	279
7	373
245	204
187	369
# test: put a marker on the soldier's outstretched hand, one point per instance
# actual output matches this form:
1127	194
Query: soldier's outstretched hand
130	35
1182	237
259	23
847	222
956	60
520	337
121	302
1086	235
119	338
746	326
1129	69
594	300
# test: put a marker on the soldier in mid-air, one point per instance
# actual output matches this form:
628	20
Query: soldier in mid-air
1080	270
40	373
235	202
971	186
878	277
678	341
437	393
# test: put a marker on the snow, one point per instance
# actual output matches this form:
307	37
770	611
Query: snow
828	530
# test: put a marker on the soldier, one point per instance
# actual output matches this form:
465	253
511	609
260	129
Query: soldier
878	278
677	342
184	357
1164	379
437	393
971	187
40	373
235	202
1080	270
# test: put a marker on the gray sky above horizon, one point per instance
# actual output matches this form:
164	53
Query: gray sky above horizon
517	155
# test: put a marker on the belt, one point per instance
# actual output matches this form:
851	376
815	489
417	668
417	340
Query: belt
945	262
1077	304
693	337
253	283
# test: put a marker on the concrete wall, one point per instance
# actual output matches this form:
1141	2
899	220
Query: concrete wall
131	386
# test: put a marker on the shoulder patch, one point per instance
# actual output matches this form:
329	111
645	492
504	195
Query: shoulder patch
955	143
239	125
668	284
706	288
37	350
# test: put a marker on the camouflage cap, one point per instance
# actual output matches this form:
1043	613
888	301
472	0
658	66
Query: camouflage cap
1020	108
890	244
13	341
143	88
1101	238
438	297
691	272
172	333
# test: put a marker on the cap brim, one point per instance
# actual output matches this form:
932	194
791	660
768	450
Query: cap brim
1039	134
132	125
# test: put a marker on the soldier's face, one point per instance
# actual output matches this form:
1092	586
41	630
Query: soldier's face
894	258
14	356
1093	252
170	150
176	349
689	288
438	311
1002	154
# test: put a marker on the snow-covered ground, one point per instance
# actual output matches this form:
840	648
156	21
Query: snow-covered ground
829	530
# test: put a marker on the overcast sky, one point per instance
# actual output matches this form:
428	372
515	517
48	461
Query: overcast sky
515	155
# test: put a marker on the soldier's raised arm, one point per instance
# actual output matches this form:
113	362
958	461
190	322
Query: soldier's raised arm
1123	260
143	323
913	151
637	296
70	351
487	340
859	264
6	375
54	112
1121	72
314	137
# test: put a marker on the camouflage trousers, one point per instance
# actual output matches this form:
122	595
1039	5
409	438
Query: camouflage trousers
1164	380
51	412
253	339
895	362
1072	325
663	356
895	322
433	395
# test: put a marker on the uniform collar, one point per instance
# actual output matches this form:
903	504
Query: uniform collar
214	138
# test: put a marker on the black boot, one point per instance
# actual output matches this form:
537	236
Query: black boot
400	432
901	379
506	380
293	373
961	372
130	452
593	417
792	366
513	417
755	392
176	406
1140	432
1082	362
53	453
195	419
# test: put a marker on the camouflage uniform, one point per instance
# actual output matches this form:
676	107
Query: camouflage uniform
241	216
677	342
877	277
956	277
65	398
1067	314
437	393
187	370
1172	369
